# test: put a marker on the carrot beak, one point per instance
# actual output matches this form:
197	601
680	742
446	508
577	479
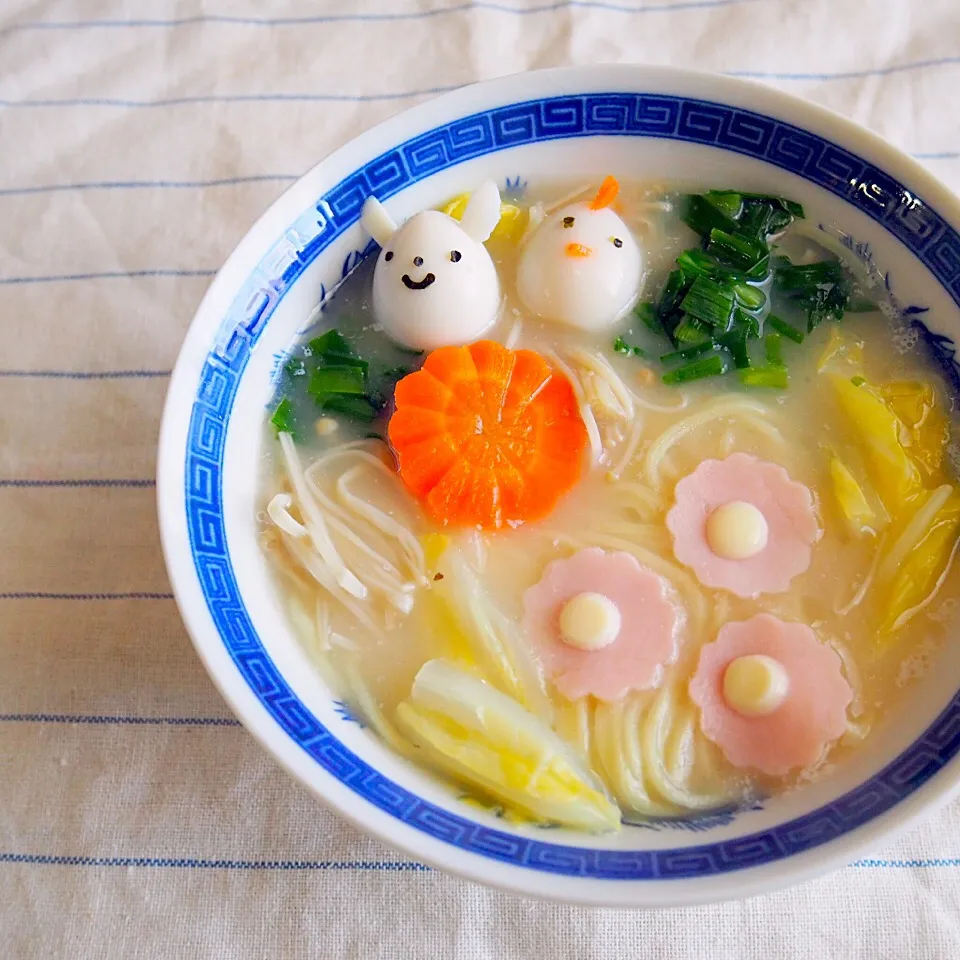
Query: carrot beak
578	250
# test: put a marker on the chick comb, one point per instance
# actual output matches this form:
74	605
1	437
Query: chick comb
606	194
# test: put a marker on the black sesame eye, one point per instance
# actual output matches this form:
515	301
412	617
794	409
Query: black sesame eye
455	256
418	261
568	222
617	242
388	256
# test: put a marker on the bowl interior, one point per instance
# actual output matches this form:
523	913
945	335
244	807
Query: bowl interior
296	257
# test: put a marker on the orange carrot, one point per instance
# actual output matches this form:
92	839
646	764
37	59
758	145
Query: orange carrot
487	436
606	194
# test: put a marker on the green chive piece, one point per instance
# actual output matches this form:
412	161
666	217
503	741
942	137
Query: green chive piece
710	302
787	206
726	201
735	250
283	417
621	346
701	214
749	297
784	329
858	381
712	366
691	330
357	408
328	381
773	348
689	353
647	314
736	342
330	343
773	377
805	277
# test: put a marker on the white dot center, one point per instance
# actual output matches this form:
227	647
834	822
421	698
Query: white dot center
755	685
589	621
736	531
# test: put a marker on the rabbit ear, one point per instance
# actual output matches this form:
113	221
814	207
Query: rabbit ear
377	222
482	212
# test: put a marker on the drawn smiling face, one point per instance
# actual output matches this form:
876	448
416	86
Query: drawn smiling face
582	267
435	284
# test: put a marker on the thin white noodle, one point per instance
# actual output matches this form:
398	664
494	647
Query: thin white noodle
712	410
513	337
314	522
853	674
566	198
586	412
913	533
611	739
655	731
639	400
867	582
384	523
597	365
630	448
278	510
315	566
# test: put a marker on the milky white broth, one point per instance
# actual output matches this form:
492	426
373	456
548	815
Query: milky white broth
616	506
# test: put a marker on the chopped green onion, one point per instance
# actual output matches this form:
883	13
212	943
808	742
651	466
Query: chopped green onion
327	381
713	366
773	347
788	206
784	329
333	342
710	302
621	346
691	330
736	342
858	381
702	214
688	353
647	313
750	298
295	367
790	276
727	202
283	417
773	377
737	251
357	408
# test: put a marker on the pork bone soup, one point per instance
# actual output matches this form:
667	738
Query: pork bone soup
610	503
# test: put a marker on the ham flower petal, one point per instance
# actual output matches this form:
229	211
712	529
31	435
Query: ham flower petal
813	714
650	621
787	507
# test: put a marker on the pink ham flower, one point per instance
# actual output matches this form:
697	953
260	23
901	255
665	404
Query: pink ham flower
650	621
812	714
787	508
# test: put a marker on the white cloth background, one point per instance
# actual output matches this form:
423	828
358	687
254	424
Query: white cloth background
138	142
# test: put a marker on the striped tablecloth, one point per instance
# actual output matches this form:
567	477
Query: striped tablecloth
138	141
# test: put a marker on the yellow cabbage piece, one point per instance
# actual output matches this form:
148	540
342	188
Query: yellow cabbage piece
841	355
861	517
920	572
925	426
891	470
480	736
510	227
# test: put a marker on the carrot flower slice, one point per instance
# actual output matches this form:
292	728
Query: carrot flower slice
487	436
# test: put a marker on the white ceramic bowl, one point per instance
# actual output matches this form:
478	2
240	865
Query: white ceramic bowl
633	122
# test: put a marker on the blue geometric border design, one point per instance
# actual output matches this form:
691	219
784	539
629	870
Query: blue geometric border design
819	161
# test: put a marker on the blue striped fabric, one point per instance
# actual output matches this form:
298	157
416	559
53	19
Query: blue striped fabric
137	143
